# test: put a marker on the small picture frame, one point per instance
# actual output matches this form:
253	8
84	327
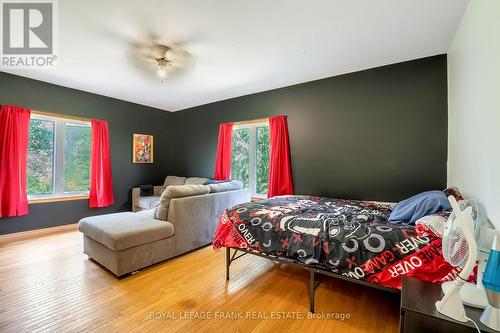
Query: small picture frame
142	148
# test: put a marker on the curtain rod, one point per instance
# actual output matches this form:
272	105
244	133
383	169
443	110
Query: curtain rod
253	121
58	115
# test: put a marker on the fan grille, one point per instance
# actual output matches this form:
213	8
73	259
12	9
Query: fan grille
455	248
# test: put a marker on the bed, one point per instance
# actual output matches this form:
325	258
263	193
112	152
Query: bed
348	239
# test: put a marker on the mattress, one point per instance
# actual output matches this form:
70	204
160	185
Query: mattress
348	237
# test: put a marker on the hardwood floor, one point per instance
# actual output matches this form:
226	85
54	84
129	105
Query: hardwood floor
48	285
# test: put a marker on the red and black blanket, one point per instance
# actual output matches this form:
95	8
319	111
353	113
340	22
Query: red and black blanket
348	237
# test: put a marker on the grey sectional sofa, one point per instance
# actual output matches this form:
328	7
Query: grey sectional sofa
127	242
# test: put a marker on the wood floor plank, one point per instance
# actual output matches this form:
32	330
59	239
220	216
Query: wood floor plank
48	285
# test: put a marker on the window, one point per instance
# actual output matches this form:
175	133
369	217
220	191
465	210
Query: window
58	157
250	157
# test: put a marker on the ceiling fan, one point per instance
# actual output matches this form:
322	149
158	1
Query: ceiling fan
167	60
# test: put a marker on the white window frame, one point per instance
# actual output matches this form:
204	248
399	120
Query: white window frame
58	157
252	172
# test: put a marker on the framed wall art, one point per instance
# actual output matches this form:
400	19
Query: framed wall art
142	150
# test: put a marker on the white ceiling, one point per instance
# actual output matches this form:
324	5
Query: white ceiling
240	47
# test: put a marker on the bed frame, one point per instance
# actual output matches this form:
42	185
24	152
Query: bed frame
313	281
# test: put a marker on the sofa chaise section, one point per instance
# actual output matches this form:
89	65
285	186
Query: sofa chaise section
127	242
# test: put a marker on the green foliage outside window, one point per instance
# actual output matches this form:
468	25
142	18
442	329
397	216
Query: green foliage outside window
242	157
240	163
262	159
40	157
77	158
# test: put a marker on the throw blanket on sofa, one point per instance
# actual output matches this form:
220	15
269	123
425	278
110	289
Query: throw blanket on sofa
348	237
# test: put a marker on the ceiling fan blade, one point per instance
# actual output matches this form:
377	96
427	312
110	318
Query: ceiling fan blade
180	58
190	40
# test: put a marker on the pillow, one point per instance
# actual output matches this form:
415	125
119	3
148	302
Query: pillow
226	186
177	191
174	180
146	190
196	181
433	222
425	203
213	181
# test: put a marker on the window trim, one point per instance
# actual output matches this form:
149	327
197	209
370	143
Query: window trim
58	193
252	165
40	199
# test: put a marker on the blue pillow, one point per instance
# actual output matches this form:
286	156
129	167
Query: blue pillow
420	205
213	181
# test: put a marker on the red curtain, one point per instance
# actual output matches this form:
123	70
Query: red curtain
223	159
101	182
14	134
280	174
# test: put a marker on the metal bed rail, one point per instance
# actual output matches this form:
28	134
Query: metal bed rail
313	271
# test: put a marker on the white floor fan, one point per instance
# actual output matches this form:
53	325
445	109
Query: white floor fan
463	231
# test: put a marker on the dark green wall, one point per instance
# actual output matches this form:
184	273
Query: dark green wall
124	119
376	134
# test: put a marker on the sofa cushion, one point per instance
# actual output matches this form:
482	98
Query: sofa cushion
149	212
148	202
121	231
173	192
174	180
196	181
226	186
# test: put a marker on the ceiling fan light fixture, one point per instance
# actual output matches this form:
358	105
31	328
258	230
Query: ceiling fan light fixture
162	68
162	73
